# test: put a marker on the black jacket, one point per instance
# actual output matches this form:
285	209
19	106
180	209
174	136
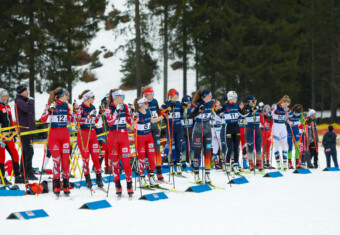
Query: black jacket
25	113
329	140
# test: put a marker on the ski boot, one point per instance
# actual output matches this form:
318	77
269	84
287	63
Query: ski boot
285	165
278	164
118	188
153	182
19	179
99	180
245	165
251	166
88	181
298	164
171	169
66	186
207	177
143	182
236	168
160	177
5	181
217	165
197	177
290	163
227	167
129	188
56	186
179	168
259	165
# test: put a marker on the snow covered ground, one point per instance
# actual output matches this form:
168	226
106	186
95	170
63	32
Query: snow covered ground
293	204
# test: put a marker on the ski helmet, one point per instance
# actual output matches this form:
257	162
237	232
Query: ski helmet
231	95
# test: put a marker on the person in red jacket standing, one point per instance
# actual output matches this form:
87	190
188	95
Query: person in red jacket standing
58	140
87	141
266	130
9	145
118	115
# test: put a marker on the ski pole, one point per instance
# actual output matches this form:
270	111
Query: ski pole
203	158
48	134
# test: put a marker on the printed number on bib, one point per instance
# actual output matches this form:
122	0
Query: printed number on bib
59	118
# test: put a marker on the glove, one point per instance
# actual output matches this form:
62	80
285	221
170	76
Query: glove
31	98
261	104
15	139
75	108
286	109
163	106
53	106
131	108
201	108
93	113
119	108
173	104
2	144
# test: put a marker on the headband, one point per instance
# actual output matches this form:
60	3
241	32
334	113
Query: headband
88	95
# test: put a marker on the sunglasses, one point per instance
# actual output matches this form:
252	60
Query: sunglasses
253	101
123	96
177	93
146	103
151	93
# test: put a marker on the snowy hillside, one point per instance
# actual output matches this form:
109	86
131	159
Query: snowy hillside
109	76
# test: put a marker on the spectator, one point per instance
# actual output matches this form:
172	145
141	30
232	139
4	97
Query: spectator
313	138
25	118
329	144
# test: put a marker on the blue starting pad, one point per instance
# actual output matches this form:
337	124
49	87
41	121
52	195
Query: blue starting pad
106	179
154	197
274	174
331	169
240	180
79	184
12	193
199	188
96	205
25	215
302	171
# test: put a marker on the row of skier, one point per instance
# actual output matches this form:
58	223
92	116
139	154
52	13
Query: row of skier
202	123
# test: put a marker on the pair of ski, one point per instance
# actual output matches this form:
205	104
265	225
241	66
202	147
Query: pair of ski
160	188
119	197
210	184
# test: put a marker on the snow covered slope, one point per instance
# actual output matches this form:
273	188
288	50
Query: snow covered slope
293	204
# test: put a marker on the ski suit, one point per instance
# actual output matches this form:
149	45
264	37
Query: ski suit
216	128
118	141
266	131
87	141
294	121
155	131
58	139
145	142
279	132
253	133
188	125
176	130
202	137
9	145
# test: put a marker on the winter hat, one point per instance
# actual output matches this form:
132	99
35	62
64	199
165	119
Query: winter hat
88	95
330	128
250	98
142	101
205	93
60	93
118	93
172	92
148	91
231	95
3	92
186	99
21	89
311	112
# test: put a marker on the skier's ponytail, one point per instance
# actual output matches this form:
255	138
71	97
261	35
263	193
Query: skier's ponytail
284	99
110	99
136	104
298	108
197	96
81	95
51	99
